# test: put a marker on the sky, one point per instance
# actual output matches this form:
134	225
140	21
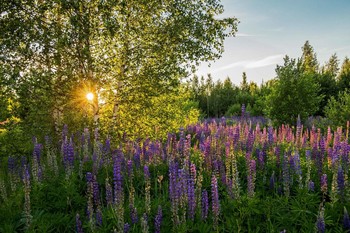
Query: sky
270	29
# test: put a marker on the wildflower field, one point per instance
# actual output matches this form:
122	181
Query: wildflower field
209	177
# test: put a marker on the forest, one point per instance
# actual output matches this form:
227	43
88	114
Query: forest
105	126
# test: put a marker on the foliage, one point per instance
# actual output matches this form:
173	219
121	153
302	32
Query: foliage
234	110
294	93
344	75
165	113
338	111
129	52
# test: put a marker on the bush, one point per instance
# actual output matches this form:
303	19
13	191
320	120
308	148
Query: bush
338	110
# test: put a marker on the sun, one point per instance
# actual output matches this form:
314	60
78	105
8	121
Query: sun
89	96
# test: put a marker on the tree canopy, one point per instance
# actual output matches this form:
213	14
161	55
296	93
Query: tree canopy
126	52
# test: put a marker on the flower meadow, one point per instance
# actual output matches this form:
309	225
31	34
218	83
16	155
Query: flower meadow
209	177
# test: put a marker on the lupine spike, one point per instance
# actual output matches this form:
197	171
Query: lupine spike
215	200
79	227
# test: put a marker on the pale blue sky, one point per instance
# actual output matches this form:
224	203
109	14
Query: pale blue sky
271	29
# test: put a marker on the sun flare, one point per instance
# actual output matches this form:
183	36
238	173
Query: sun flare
89	96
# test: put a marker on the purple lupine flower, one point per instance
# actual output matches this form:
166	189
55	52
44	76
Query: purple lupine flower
346	220
129	168
98	217
78	224
320	224
146	172
215	199
250	141
322	146
96	191
324	186
117	180
27	189
261	158
90	195
137	157
64	132
109	193
36	166
70	153
158	220
11	164
285	174
191	196
341	181
172	184
243	111
133	215
270	135
251	177
147	189
311	186
205	204
126	227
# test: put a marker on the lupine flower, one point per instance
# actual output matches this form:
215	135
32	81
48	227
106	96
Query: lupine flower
251	178
341	181
297	169
70	153
109	193
144	223
96	192
126	227
243	110
173	189
14	179
215	199
133	215
36	166
90	196
27	189
270	135
285	173
130	169
11	164
205	205
346	220
98	217
311	186
158	220
147	189
79	226
118	192
191	198
118	181
320	224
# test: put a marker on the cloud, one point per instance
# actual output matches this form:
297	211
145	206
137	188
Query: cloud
267	61
244	35
232	65
252	64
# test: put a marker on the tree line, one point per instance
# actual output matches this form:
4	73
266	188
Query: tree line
302	87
